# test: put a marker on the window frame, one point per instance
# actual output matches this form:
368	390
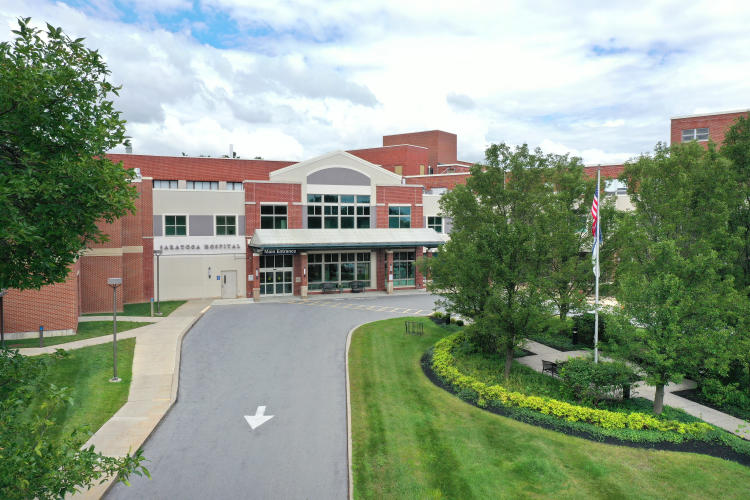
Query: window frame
400	217
212	185
350	211
695	135
274	216
234	185
216	224
433	225
164	225
169	185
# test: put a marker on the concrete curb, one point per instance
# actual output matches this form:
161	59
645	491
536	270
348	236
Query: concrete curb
100	490
349	411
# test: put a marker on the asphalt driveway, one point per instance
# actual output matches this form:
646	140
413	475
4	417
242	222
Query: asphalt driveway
289	358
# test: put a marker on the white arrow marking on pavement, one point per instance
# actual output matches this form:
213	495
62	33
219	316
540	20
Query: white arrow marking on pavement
258	419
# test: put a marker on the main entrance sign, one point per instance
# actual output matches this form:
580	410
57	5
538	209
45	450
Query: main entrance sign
280	251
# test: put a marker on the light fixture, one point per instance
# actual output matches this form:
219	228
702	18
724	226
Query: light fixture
209	272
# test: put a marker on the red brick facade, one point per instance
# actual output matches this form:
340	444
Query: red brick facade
55	307
410	160
448	181
442	146
717	125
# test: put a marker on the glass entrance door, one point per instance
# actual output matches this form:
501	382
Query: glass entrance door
276	274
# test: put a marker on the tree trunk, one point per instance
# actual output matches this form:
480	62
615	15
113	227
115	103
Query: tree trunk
563	312
508	361
659	399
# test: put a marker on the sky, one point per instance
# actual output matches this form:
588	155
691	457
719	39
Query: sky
290	80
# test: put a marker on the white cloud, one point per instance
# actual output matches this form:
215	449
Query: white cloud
304	76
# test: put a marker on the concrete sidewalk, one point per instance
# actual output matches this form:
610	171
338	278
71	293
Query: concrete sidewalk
641	389
153	388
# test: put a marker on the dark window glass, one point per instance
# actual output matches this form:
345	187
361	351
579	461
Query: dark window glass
332	222
347	198
347	222
313	222
313	198
331	198
363	222
363	199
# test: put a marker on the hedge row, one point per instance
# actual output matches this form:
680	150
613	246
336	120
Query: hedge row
444	366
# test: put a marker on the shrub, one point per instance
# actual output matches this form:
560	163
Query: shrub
591	382
585	325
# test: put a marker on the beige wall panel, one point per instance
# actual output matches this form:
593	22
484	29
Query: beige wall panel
173	201
186	276
430	205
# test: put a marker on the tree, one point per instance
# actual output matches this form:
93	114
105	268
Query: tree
674	278
570	276
56	124
32	463
495	266
737	149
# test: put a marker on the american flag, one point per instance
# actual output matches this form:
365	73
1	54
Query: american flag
595	212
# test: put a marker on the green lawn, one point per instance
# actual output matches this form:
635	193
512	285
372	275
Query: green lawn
144	308
87	371
411	439
86	330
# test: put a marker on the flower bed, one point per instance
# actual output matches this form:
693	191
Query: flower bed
443	366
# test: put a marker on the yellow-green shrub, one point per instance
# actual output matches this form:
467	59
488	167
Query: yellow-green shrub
443	364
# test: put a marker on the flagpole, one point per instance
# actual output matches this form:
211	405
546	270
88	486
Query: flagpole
597	242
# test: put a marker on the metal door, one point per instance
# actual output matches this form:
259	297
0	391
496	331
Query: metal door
229	285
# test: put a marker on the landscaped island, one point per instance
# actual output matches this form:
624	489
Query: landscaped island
412	439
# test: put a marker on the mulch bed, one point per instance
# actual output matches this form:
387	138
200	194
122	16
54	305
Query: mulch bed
695	446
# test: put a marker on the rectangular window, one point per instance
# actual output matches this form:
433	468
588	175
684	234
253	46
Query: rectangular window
273	216
234	186
203	185
338	268
175	225
435	223
164	184
333	211
404	268
695	134
399	217
226	225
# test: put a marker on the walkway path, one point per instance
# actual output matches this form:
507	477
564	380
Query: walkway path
153	388
641	389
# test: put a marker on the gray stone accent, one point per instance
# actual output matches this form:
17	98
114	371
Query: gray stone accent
373	217
241	225
304	217
201	225
338	176
447	225
158	230
424	223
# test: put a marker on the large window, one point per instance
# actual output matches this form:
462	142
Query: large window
333	211
175	225
399	216
226	225
435	223
403	268
695	134
203	185
234	186
338	268
165	184
273	217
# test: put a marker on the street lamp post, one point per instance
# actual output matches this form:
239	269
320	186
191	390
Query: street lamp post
158	302
3	291
114	283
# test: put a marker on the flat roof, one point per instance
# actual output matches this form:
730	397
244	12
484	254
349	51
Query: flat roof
346	238
711	114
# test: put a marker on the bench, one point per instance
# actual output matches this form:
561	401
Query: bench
357	286
549	367
414	328
330	288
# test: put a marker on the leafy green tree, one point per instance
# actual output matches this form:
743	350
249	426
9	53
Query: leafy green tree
674	279
56	124
32	464
569	277
495	267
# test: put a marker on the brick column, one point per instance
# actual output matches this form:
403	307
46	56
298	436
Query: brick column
256	276
389	271
303	265
418	278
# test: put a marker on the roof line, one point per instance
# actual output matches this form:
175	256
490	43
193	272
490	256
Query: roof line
710	114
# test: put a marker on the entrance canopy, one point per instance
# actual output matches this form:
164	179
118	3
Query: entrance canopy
310	239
